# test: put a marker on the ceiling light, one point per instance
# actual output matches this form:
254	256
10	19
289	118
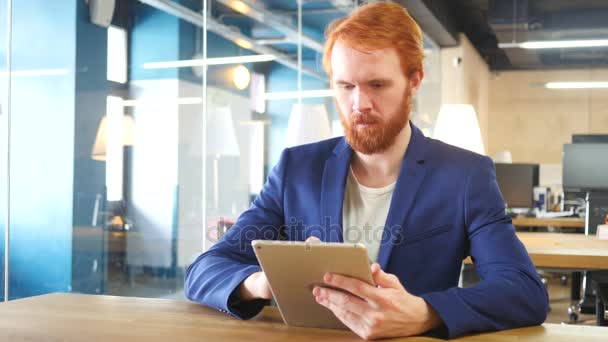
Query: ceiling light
283	95
240	7
36	72
243	43
556	44
210	61
172	101
241	77
576	85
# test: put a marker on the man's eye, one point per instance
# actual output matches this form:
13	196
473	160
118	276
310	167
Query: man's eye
377	85
347	86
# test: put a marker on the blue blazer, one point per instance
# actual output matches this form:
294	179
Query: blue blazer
446	206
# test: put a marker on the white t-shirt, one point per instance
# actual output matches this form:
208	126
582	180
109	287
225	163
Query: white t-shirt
364	214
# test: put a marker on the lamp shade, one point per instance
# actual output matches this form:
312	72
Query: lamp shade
220	132
457	125
504	157
101	140
308	123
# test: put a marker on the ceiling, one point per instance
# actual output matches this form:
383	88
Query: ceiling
490	22
272	27
486	23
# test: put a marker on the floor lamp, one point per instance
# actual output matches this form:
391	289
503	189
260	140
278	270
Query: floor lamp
221	141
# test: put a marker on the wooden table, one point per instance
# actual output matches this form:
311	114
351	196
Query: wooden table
72	317
572	251
558	222
568	251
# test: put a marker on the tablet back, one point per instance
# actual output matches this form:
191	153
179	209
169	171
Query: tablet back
294	268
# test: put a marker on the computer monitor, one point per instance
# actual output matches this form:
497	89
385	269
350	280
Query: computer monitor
517	182
585	167
590	138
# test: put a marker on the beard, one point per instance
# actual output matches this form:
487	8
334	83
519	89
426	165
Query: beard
379	135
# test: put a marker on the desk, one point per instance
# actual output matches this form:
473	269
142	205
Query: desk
573	251
570	251
72	317
558	222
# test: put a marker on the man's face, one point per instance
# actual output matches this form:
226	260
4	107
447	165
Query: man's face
372	95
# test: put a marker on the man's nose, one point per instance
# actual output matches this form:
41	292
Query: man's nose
361	101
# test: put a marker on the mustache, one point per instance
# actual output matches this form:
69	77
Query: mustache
359	118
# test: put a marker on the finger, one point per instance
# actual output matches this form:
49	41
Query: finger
353	321
343	300
355	286
385	280
263	286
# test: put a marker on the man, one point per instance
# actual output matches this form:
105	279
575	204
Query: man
435	205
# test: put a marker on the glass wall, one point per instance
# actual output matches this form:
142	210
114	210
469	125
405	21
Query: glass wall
4	33
138	138
46	88
427	103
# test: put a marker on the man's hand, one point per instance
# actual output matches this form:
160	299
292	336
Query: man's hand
376	312
255	287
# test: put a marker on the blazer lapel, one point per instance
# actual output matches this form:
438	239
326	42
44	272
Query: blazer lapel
332	191
410	178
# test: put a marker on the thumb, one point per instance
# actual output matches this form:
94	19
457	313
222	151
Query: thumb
383	279
313	239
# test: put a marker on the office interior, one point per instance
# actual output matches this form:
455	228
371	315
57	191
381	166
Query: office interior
134	132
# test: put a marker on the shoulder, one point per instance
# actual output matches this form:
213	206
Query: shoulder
454	158
315	151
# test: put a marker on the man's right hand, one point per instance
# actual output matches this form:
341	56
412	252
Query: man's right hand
255	287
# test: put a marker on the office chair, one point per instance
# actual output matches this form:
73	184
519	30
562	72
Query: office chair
600	285
595	299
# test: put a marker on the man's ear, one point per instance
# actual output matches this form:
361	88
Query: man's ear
415	80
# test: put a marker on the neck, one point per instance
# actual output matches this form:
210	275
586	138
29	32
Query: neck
381	169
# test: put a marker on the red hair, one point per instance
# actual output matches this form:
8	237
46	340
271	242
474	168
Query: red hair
375	26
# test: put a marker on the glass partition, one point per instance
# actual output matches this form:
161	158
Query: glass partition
137	139
4	125
48	171
427	102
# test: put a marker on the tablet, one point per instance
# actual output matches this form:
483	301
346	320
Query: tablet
293	269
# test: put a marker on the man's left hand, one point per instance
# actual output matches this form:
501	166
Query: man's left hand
387	310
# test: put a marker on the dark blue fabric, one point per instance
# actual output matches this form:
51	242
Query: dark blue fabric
446	206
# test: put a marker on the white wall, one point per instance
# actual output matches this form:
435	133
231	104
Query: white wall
534	122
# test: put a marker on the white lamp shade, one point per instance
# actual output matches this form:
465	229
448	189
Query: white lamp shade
308	123
336	129
503	157
221	138
457	125
101	140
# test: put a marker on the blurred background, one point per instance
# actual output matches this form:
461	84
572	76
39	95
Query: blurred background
134	132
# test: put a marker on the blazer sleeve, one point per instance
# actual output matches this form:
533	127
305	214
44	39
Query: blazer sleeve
510	293
213	278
